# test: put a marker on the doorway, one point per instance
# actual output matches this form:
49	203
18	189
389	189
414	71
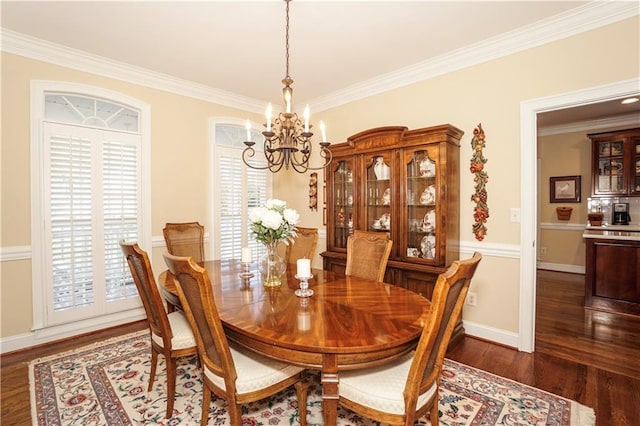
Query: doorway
529	111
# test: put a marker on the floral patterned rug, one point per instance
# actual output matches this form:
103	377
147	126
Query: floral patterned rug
105	384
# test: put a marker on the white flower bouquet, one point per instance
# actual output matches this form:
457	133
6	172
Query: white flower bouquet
273	222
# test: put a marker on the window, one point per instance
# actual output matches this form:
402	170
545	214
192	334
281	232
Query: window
90	190
236	188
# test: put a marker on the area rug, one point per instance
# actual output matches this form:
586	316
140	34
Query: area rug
106	384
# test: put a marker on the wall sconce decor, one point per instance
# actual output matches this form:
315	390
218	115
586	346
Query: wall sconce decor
313	192
481	210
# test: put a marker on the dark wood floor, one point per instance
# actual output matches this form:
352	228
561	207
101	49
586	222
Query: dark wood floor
590	357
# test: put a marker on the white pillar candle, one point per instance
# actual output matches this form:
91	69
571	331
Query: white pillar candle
246	254
323	130
269	112
248	125
307	113
304	267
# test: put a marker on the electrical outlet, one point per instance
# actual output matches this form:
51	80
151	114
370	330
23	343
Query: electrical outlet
472	298
543	251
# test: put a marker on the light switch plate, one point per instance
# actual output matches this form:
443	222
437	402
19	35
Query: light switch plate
515	215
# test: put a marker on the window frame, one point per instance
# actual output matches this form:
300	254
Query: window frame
214	242
43	324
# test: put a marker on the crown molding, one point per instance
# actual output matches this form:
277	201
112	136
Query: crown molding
627	120
585	18
590	16
42	50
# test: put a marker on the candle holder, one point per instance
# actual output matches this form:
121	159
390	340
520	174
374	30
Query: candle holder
304	290
246	270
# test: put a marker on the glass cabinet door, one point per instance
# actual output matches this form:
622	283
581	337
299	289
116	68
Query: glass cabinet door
610	177
635	146
378	191
343	197
421	203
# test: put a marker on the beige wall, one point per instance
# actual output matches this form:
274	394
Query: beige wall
489	93
563	155
567	154
179	167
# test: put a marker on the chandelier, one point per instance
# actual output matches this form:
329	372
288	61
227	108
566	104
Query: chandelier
287	140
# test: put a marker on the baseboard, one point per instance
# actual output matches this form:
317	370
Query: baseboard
560	267
503	337
39	337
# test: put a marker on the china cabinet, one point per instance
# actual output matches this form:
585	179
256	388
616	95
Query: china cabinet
404	182
616	163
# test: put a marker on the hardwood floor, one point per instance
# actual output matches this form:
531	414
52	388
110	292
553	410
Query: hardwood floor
587	356
14	371
566	329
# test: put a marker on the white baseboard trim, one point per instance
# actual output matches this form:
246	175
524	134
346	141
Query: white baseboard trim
38	337
504	337
560	267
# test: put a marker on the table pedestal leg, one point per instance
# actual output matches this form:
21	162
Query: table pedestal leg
329	380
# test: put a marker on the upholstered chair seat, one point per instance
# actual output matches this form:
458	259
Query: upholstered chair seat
182	335
255	372
382	388
402	391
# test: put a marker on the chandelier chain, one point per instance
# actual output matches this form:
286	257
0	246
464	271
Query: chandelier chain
286	44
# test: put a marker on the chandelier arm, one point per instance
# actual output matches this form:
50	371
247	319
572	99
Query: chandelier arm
249	153
324	152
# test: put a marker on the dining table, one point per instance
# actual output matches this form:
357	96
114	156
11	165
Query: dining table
348	322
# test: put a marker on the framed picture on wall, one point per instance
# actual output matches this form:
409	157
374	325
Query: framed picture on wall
564	189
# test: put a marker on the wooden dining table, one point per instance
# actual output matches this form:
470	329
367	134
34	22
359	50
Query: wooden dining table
348	322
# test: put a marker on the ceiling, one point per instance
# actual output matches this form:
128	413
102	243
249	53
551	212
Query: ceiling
239	46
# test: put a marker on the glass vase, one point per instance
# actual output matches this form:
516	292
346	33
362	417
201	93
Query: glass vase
272	266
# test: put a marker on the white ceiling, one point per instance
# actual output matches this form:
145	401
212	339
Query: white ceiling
238	46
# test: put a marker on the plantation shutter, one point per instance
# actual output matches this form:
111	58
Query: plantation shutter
236	189
71	220
121	185
230	187
93	202
256	196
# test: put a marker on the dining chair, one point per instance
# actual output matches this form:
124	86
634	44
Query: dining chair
171	334
402	391
303	244
185	239
237	375
367	254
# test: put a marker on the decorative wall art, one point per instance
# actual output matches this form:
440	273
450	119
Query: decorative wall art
481	210
313	192
564	189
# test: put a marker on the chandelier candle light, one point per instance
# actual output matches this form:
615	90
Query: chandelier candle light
287	139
